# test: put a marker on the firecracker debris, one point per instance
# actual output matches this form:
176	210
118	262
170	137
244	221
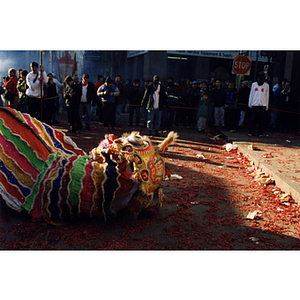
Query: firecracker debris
219	198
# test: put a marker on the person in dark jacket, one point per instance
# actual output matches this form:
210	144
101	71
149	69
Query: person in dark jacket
218	97
243	97
154	100
108	93
22	87
285	106
192	98
135	96
181	114
49	104
173	99
72	95
88	94
119	99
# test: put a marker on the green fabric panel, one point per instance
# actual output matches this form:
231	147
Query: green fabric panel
77	174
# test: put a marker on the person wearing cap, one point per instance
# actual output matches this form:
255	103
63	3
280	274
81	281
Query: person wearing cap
108	93
259	104
154	99
192	101
88	94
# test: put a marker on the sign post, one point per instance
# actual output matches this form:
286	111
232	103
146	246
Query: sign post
241	66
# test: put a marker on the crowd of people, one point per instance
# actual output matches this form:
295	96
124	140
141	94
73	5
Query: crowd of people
151	104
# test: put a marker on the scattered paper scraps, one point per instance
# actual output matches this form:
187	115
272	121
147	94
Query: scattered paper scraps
254	214
268	155
175	176
253	147
229	147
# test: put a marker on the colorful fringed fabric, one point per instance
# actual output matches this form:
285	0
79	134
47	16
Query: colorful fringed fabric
43	171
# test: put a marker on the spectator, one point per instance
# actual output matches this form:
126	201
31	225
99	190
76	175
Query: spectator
213	82
203	112
154	99
88	94
119	99
192	98
259	104
173	99
181	114
75	79
127	86
35	80
218	98
274	103
19	73
49	102
285	106
108	93
188	83
204	89
136	93
72	96
11	94
3	90
22	87
97	108
231	94
243	97
58	102
143	109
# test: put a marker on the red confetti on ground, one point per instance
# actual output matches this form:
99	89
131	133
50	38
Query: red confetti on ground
205	210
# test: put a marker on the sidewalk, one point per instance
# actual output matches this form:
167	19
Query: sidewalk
283	165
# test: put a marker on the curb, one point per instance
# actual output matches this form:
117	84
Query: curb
282	182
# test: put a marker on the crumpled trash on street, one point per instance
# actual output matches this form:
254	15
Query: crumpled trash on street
217	137
195	202
262	178
175	176
200	155
254	214
229	147
268	155
285	198
253	147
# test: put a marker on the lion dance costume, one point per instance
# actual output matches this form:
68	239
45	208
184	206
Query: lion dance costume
43	171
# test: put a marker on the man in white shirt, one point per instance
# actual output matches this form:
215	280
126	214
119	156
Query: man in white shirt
35	80
259	104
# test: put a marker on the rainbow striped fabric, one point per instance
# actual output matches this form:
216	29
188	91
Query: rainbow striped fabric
43	171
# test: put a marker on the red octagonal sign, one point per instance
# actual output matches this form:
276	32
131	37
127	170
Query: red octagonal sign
242	65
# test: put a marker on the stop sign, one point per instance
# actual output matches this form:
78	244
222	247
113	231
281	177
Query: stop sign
242	65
